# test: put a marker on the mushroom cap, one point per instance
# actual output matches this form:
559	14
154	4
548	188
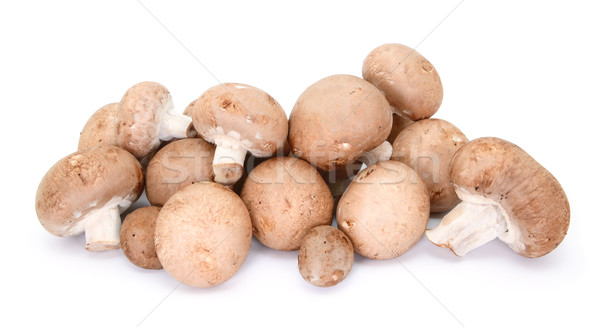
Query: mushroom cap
203	234
535	204
245	114
399	123
286	197
137	237
428	146
326	256
385	210
336	120
177	165
409	81
84	181
100	129
139	115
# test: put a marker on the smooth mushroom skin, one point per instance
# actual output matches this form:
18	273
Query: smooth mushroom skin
409	81
385	210
100	129
146	116
137	237
505	194
239	118
428	147
286	197
203	234
177	165
398	125
326	256
336	120
87	191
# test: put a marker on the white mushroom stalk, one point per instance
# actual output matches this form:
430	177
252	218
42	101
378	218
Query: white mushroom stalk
381	153
472	223
228	162
173	125
103	225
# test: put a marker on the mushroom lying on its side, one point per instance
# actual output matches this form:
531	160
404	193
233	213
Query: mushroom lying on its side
505	193
137	237
87	191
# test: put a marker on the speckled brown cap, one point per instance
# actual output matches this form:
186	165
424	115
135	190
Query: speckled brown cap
177	165
385	210
336	120
203	234
100	129
286	197
409	81
428	146
137	237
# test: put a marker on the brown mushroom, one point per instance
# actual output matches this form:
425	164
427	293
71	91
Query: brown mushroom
326	256
506	194
137	237
203	234
286	197
385	210
87	191
428	146
239	118
100	129
177	165
338	119
409	81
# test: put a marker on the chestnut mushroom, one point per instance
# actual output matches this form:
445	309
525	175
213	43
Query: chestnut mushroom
137	237
505	194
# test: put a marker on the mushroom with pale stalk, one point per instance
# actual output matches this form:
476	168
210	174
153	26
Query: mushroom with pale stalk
239	118
505	194
87	191
137	237
146	117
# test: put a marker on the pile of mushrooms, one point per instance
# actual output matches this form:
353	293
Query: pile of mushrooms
361	152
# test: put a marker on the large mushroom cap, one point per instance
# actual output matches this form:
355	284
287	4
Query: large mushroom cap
337	119
203	234
137	237
525	204
85	183
385	210
409	81
286	197
100	129
428	147
177	165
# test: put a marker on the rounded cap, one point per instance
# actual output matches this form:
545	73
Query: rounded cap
137	237
100	129
398	125
326	256
409	81
84	181
286	197
139	116
177	165
385	210
203	234
537	209
244	114
428	146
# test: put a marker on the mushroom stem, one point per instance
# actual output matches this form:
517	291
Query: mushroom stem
102	229
381	153
228	162
174	125
468	226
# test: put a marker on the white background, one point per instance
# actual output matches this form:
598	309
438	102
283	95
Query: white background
525	71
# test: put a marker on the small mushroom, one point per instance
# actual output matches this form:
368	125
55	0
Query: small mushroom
428	146
409	81
146	116
100	129
203	234
326	256
239	118
177	165
137	237
385	210
87	191
338	119
506	194
286	197
398	125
